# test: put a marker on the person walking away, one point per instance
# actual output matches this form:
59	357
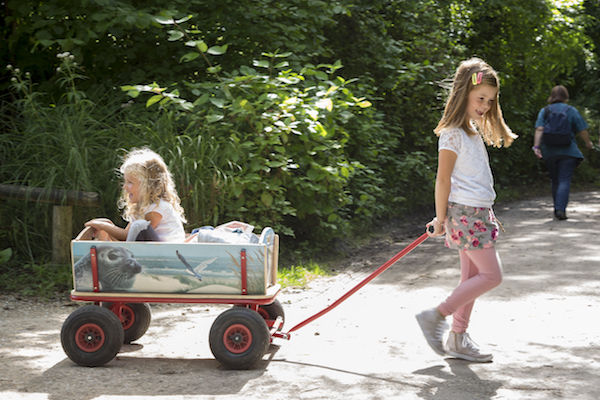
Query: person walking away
554	140
464	196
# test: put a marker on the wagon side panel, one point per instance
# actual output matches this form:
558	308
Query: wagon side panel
177	268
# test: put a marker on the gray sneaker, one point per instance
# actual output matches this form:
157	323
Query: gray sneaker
434	326
460	345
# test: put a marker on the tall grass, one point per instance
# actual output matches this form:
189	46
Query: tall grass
52	143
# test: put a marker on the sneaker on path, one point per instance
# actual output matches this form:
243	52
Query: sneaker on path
434	326
460	345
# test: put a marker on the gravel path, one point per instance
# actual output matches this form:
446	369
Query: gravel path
541	325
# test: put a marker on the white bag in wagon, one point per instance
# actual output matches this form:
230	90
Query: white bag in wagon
230	232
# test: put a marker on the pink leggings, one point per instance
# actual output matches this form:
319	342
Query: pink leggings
480	271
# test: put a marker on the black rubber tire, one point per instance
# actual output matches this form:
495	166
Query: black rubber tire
274	310
269	311
91	336
239	338
137	319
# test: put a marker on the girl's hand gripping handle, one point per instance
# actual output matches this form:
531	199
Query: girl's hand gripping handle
435	228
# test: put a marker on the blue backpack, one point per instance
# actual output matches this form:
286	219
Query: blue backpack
557	129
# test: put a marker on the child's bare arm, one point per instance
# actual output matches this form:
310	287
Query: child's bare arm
106	225
154	218
446	161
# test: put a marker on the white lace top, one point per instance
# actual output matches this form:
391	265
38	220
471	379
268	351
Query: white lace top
170	227
472	183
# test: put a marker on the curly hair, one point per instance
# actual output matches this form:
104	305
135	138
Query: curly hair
156	183
493	129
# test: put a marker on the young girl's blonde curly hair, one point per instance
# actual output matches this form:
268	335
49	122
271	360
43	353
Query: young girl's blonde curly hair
493	129
156	183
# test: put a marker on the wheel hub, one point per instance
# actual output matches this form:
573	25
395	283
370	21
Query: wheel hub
89	337
237	338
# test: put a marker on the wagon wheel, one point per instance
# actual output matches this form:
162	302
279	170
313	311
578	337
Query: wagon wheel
91	336
270	311
135	318
239	338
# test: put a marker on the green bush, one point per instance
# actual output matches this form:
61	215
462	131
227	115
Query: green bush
280	141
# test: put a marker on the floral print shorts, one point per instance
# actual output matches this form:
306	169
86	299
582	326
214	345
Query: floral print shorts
470	228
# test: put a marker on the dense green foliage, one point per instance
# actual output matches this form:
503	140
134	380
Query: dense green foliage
314	117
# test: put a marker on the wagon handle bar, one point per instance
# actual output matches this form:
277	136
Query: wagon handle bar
368	279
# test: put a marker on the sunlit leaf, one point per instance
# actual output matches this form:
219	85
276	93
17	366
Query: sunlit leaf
321	129
154	99
174	35
214	118
220	103
189	57
217	50
184	19
325	103
165	20
261	63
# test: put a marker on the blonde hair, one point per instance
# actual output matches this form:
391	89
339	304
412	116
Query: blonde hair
493	129
156	183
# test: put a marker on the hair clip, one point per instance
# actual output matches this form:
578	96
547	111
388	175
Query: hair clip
476	78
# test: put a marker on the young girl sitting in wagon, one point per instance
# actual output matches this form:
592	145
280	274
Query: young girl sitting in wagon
149	201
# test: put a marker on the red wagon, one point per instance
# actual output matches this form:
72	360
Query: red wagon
121	279
243	275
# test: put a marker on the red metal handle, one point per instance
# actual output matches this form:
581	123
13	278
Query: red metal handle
94	265
368	279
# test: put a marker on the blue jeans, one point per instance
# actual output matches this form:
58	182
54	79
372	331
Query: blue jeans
561	171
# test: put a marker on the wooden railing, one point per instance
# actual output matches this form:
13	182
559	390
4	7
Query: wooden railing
62	212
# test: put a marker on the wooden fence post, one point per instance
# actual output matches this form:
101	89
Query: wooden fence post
62	233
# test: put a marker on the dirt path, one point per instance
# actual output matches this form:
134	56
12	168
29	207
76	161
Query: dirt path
541	324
